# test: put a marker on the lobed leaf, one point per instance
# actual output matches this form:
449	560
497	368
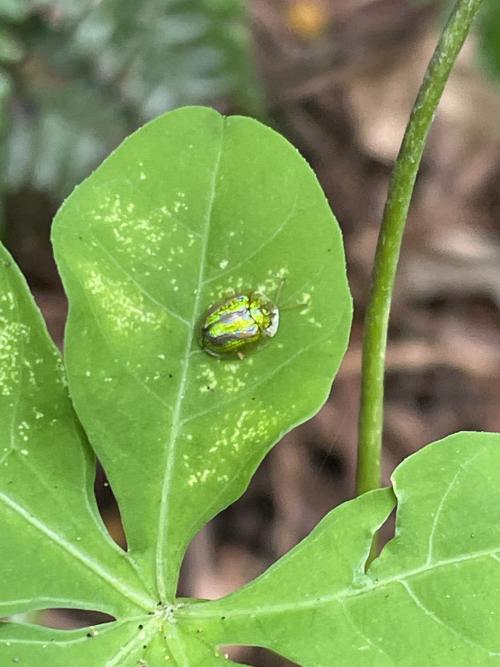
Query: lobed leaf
54	549
432	597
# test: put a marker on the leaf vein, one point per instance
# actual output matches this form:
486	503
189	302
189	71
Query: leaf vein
261	247
127	649
361	633
203	609
176	425
441	505
441	622
139	286
82	557
127	370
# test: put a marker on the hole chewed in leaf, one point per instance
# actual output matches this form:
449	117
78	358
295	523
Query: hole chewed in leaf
69	619
382	537
235	546
255	656
108	508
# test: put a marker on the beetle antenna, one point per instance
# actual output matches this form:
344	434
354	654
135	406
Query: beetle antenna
298	304
279	290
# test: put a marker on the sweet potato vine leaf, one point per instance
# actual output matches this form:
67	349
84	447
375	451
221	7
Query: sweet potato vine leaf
432	597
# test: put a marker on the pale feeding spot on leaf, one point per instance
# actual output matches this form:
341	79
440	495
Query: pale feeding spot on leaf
149	237
109	210
221	292
230	440
7	303
270	286
315	323
207	378
124	309
179	204
275	281
305	301
23	431
234	377
246	428
13	337
141	174
141	236
60	375
129	228
201	476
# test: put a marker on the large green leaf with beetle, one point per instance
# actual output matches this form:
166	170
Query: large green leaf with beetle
190	209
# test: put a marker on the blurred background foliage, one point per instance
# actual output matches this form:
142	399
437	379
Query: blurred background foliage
78	75
337	78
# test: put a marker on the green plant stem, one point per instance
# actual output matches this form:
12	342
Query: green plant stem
389	242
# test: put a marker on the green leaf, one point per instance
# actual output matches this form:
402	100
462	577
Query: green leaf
139	642
54	551
432	597
114	645
189	209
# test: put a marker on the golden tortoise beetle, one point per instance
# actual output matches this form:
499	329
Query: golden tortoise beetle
239	322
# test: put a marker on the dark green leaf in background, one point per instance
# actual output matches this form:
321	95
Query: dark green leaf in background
489	37
14	10
11	51
92	72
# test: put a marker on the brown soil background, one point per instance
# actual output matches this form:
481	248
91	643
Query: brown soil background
339	78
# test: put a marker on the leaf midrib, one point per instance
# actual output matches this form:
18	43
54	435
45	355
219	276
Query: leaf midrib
344	594
164	582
